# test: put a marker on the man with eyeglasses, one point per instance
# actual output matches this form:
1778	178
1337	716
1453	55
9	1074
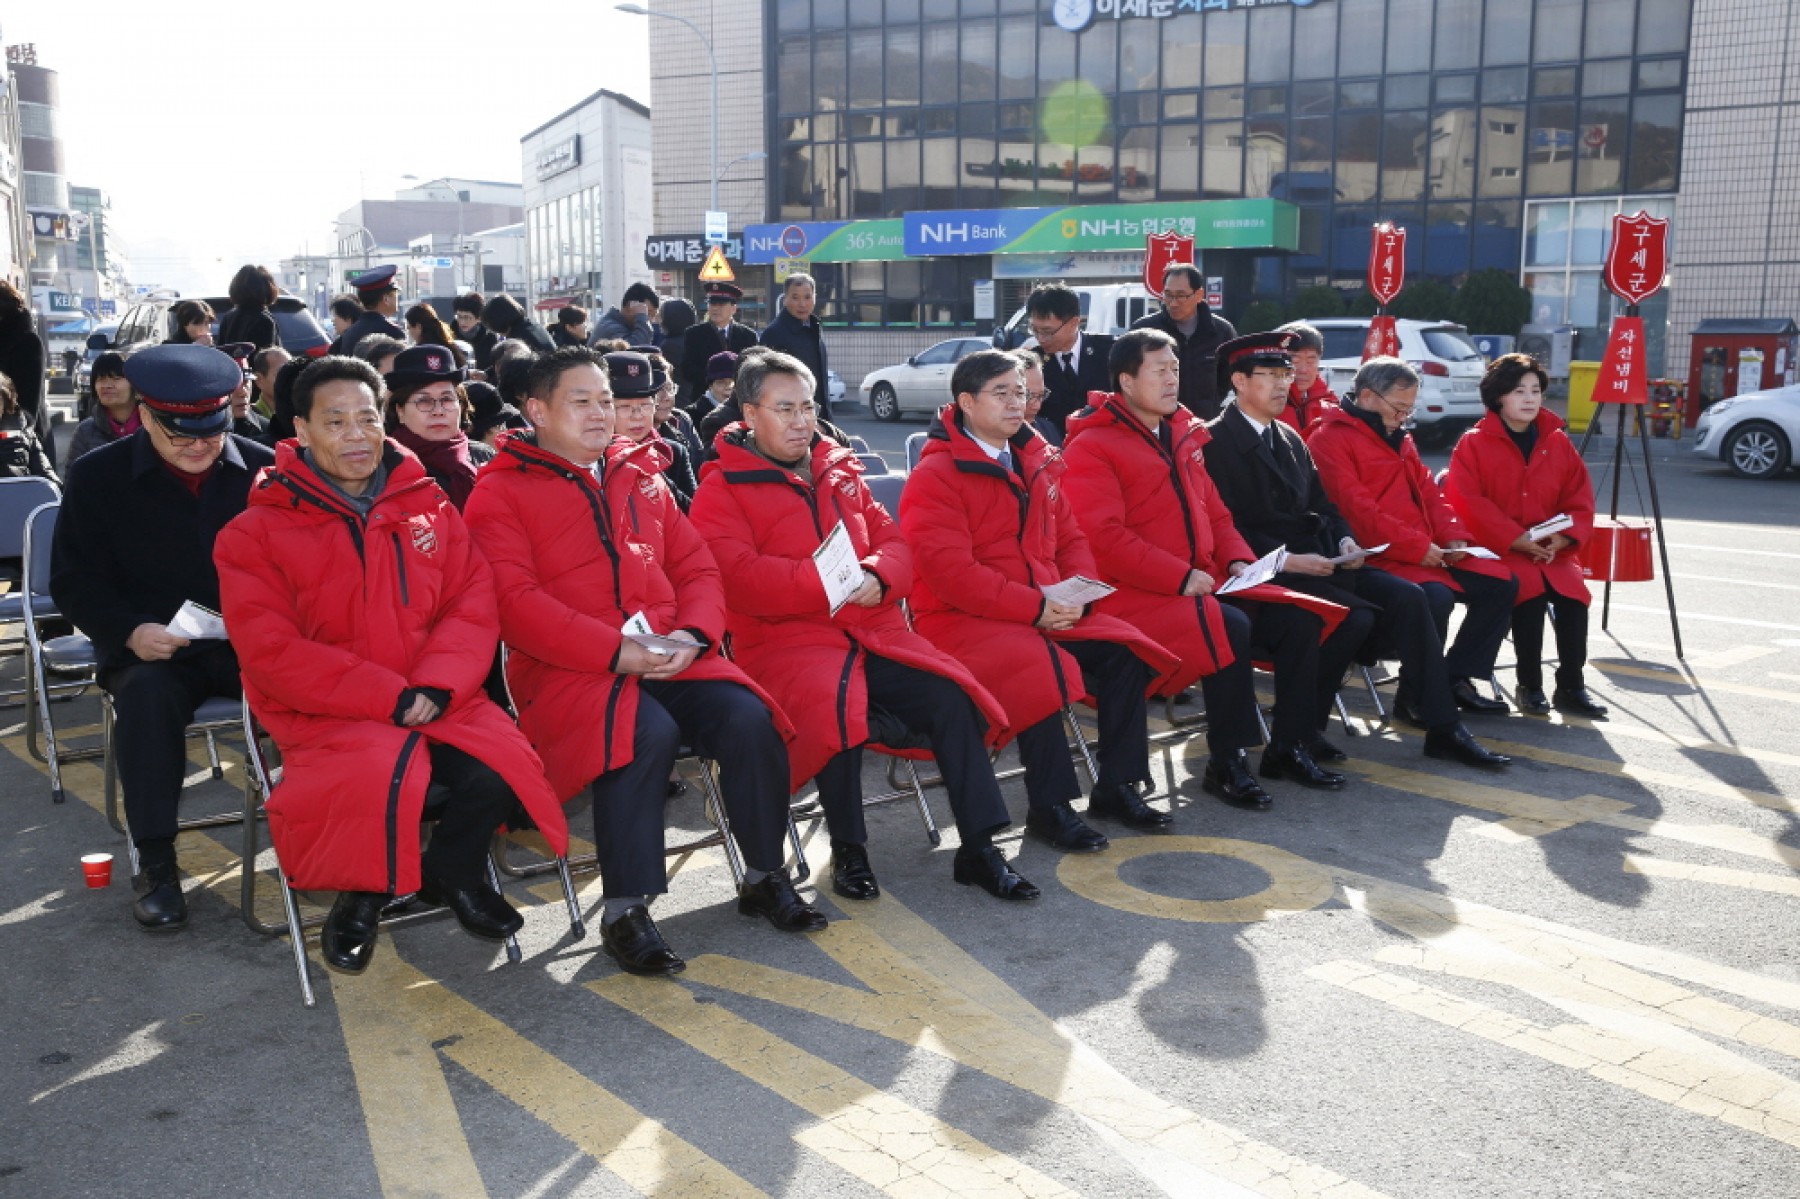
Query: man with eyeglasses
613	613
1074	360
1372	472
134	542
718	333
851	674
1198	334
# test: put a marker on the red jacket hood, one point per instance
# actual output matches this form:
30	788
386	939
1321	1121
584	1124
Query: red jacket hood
292	480
733	456
519	448
949	436
1109	408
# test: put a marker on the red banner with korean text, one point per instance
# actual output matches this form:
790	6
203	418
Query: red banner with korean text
1383	340
1638	256
1387	262
1623	378
1162	251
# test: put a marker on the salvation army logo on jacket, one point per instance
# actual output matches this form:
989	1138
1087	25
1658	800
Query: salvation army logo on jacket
647	487
424	535
847	484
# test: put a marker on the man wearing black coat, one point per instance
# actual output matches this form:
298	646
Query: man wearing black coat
720	331
1074	359
504	316
795	331
469	328
134	542
1265	475
1198	334
380	298
22	361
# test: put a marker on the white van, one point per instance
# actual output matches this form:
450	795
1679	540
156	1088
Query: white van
1109	308
1449	366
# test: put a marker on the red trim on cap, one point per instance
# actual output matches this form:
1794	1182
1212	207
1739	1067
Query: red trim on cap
191	408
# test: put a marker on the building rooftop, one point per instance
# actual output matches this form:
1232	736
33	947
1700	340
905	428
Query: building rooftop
641	109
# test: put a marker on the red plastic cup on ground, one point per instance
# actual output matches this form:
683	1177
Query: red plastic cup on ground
98	869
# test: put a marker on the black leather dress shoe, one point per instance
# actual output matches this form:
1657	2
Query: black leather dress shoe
1324	751
163	907
1578	701
633	942
1294	762
1404	709
1061	828
775	898
479	909
676	787
1471	700
1230	779
850	873
1532	701
986	867
1122	802
1455	744
348	938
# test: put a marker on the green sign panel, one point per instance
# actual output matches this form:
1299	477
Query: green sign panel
1091	228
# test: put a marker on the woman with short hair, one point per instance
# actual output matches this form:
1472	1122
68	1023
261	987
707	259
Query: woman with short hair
427	412
1514	471
193	323
111	405
252	293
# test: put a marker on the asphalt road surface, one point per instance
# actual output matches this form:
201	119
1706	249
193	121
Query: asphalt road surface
1577	978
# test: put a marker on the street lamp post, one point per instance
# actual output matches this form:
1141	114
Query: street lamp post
713	172
369	239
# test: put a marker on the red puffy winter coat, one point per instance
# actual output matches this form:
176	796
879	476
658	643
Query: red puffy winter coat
983	541
763	523
1499	496
1389	498
573	561
333	616
1152	515
1305	407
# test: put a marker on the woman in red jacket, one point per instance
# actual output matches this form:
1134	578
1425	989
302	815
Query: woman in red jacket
364	643
776	492
1513	471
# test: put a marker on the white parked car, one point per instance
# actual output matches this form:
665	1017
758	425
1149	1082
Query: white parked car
921	383
1109	308
1754	434
1449	363
834	388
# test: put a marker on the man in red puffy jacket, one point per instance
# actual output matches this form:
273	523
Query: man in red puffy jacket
586	539
364	644
1162	536
776	492
990	527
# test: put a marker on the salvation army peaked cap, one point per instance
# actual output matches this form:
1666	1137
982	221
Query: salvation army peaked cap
187	387
631	375
425	364
379	279
724	291
1275	348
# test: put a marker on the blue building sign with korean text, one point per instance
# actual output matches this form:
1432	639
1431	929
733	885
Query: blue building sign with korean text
968	231
1076	15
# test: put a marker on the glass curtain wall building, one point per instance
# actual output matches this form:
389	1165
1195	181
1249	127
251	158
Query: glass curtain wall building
1482	125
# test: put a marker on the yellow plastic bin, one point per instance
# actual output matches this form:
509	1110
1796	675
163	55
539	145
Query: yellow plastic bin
1581	395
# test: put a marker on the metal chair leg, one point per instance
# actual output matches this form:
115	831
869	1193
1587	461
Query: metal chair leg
1381	711
296	935
48	755
801	869
212	755
513	953
931	829
1344	714
1086	757
1262	722
109	759
715	811
577	925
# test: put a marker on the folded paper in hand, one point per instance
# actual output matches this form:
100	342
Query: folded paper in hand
1478	551
197	623
638	629
1258	572
1076	591
1556	524
1359	553
838	567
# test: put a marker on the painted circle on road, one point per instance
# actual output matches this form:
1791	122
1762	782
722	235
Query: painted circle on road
1295	884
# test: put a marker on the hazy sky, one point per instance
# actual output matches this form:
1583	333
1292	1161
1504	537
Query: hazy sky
233	133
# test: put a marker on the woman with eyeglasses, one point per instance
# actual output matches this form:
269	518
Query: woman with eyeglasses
427	411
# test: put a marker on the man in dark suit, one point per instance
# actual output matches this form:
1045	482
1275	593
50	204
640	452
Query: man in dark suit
379	295
719	332
134	542
1266	476
1198	334
1074	360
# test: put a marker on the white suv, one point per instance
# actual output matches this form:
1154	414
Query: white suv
1449	363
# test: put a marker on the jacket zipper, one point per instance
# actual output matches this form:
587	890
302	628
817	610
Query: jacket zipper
843	705
393	810
612	711
400	562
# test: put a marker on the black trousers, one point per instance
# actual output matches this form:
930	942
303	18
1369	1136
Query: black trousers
723	721
936	707
1117	679
154	702
1308	670
1488	604
1571	640
469	800
1408	630
1230	694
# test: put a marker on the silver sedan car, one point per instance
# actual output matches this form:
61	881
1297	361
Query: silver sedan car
1754	434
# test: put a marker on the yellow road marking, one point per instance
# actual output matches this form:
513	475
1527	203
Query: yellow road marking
1295	884
415	1134
1724	876
862	1130
1689	679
